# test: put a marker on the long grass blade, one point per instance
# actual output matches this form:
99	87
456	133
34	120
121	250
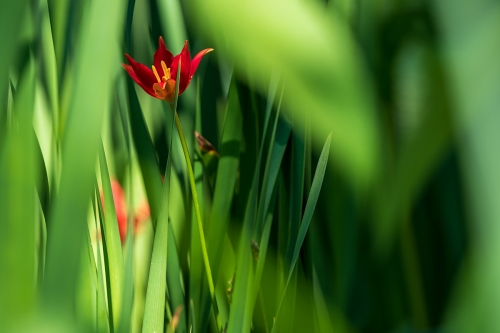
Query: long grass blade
113	243
18	206
227	173
306	219
152	183
157	283
68	219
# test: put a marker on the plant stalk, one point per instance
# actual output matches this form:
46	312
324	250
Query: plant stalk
198	218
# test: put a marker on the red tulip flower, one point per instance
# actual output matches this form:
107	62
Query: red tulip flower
160	81
142	213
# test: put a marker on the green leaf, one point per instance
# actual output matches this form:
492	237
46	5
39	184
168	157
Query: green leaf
128	285
242	305
113	243
471	48
11	14
227	174
154	309
279	140
152	182
170	13
89	103
306	218
107	275
20	212
321	61
102	316
196	264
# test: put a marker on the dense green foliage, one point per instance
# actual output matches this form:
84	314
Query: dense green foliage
347	183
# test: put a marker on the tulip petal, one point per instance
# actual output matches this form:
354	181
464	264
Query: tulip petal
120	208
143	73
196	61
162	54
185	67
132	74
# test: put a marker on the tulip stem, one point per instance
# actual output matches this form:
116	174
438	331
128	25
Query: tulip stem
198	219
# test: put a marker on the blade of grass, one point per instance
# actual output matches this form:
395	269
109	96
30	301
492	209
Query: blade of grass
59	21
225	182
198	219
277	145
48	63
242	305
152	183
113	242
279	139
18	207
86	302
80	149
240	320
296	190
11	14
296	197
227	172
43	180
196	265
106	276
154	310
240	311
306	219
102	316
41	248
262	253
128	284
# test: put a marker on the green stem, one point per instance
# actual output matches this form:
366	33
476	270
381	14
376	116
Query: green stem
198	220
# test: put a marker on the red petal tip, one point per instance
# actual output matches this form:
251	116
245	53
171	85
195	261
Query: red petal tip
128	57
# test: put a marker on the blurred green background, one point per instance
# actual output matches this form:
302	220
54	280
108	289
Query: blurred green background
353	188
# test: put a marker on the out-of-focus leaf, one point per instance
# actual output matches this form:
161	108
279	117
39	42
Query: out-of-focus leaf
89	102
170	13
59	11
419	154
472	49
322	65
19	210
11	13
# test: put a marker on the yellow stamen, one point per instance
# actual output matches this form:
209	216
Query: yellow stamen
156	74
166	71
